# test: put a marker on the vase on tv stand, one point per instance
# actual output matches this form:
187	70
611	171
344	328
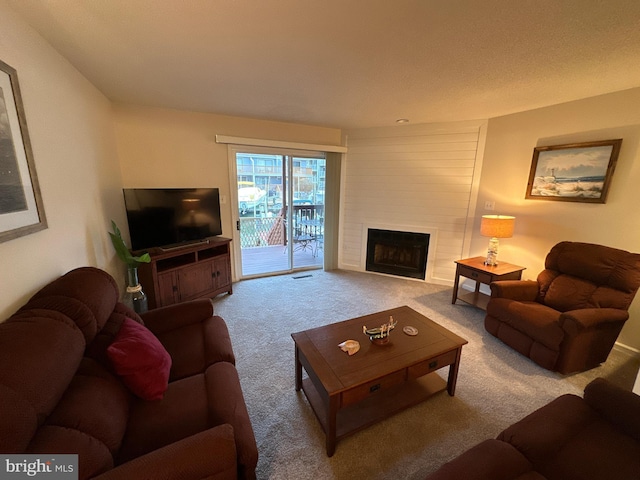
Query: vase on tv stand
133	296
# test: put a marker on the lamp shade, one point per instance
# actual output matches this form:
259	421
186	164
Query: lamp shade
498	226
190	203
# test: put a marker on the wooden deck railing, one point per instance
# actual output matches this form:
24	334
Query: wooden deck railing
266	231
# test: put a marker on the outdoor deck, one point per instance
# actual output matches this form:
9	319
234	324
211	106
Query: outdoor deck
275	258
259	234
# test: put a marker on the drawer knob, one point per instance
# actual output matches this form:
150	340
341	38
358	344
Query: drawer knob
374	388
433	364
474	274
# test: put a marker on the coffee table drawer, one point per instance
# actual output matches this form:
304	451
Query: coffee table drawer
429	366
474	274
358	394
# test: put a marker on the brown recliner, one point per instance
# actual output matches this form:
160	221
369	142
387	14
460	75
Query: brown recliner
569	319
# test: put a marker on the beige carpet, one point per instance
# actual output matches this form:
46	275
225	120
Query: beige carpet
496	386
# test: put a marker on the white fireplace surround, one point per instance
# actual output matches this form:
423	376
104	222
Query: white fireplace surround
433	241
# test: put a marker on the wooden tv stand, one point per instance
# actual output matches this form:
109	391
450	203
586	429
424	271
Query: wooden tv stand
179	274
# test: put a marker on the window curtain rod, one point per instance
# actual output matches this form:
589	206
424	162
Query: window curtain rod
257	142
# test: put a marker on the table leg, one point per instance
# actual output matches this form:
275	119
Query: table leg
455	288
453	374
331	425
298	370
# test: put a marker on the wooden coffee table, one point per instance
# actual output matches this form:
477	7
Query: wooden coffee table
348	393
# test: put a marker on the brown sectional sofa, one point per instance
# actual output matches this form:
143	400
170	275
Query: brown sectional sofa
62	390
571	438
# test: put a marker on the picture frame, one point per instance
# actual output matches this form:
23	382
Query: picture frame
576	172
21	208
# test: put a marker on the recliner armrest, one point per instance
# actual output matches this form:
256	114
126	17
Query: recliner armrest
574	321
165	319
520	290
208	454
491	459
618	406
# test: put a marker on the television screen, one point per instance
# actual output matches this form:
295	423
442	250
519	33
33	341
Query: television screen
167	217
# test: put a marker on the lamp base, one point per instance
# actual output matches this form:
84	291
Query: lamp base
492	253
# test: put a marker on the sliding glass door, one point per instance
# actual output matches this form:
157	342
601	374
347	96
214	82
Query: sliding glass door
280	208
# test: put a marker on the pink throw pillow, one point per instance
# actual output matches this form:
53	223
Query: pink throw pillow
140	360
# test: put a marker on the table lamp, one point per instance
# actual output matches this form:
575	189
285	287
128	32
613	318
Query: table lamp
496	226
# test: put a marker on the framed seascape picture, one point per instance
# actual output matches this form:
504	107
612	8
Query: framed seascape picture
21	210
578	172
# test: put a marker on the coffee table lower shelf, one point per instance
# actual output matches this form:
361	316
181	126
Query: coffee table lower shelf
375	408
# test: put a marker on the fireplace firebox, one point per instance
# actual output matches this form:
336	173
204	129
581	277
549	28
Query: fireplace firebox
397	253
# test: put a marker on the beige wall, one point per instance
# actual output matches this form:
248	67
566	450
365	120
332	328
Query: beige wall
170	148
71	132
540	224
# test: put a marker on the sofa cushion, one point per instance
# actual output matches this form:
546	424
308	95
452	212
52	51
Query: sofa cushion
97	349
491	459
569	293
87	295
141	360
93	455
602	265
597	276
214	398
209	455
89	420
535	320
541	434
568	440
595	452
618	406
96	404
31	385
183	411
198	346
193	345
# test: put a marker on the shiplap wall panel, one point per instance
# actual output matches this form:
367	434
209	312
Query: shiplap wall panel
410	178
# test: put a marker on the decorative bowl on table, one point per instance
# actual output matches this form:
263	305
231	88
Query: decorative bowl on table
380	335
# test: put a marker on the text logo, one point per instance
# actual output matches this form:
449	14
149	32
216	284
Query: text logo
51	467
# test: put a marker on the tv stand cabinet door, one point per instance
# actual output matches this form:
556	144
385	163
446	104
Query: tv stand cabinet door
196	280
168	292
222	272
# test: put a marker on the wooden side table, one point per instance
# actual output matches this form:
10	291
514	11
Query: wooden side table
475	269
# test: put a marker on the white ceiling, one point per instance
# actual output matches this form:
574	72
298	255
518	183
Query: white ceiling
346	63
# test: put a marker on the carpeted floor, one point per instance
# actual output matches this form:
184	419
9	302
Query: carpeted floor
496	386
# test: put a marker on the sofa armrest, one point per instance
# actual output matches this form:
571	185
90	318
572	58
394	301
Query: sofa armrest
489	460
616	405
520	290
171	317
574	321
543	433
208	454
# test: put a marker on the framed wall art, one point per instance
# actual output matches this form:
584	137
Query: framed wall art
21	209
577	172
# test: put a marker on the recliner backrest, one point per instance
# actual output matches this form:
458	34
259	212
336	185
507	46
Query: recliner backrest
87	295
584	275
42	346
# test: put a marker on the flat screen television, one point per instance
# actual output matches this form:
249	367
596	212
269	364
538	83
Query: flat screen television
170	217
